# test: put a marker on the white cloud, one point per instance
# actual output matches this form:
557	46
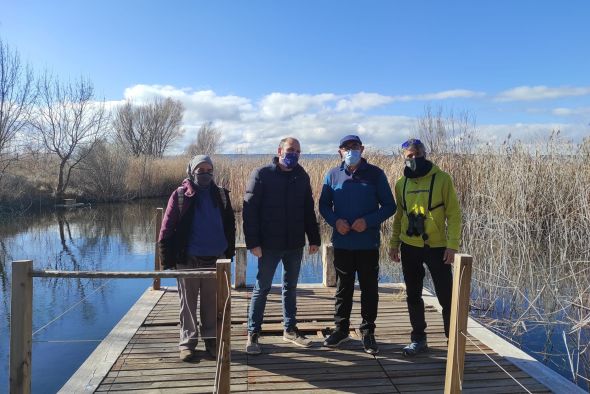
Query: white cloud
362	101
281	105
530	93
319	121
581	111
444	95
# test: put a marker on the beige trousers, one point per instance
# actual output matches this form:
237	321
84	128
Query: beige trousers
191	291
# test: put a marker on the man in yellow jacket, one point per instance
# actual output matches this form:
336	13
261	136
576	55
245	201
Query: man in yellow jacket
426	229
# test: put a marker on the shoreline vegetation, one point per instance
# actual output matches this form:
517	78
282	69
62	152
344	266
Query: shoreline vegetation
526	220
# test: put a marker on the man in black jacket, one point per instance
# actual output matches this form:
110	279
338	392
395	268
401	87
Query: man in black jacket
278	213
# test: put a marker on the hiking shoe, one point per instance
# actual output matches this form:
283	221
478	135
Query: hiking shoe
336	338
186	354
415	347
252	346
294	336
210	347
370	344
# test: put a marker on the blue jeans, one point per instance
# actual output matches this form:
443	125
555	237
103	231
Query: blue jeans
267	265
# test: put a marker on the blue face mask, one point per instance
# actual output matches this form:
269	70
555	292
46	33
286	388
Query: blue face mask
290	159
352	157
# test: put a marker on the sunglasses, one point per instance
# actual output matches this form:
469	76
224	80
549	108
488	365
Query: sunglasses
413	141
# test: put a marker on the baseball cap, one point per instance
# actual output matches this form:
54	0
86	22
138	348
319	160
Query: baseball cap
349	138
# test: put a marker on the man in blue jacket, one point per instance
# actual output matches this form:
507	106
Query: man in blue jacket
356	198
278	212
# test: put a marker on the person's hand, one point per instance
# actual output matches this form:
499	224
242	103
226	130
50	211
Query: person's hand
359	225
394	254
342	226
449	256
313	249
257	251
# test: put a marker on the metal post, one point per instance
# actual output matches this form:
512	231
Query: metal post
223	326
21	326
241	264
458	326
329	277
157	262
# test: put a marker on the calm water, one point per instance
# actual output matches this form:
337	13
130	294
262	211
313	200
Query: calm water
120	238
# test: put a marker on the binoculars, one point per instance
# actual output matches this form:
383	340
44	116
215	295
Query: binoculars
416	225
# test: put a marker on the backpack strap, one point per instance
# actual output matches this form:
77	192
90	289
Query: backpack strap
223	197
430	207
405	205
180	195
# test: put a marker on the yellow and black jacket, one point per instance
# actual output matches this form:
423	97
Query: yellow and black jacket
432	195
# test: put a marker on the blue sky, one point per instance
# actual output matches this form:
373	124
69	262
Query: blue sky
261	70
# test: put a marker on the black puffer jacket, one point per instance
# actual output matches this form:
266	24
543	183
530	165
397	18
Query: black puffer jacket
279	209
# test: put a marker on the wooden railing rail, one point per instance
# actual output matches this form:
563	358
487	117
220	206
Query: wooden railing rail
21	312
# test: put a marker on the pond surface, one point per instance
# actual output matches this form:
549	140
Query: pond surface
71	316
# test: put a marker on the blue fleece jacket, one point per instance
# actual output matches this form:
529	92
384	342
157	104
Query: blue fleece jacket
363	194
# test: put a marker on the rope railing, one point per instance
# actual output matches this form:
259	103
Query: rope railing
494	361
21	332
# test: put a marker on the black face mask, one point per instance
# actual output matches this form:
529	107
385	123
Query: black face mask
417	164
203	180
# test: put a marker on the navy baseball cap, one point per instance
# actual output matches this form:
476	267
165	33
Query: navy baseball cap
349	138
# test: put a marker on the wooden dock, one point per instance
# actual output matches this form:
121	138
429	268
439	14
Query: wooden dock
147	361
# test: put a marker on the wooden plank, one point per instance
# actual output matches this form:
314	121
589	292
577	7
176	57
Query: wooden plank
21	326
88	377
150	363
458	326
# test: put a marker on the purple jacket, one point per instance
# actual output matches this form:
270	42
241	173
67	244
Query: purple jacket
173	238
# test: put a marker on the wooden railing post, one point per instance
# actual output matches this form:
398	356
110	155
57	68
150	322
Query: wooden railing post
241	264
21	326
222	384
458	326
157	262
329	272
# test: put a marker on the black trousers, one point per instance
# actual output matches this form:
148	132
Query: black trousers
365	263
412	264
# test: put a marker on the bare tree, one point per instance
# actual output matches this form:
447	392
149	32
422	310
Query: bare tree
148	129
450	132
208	141
17	95
69	123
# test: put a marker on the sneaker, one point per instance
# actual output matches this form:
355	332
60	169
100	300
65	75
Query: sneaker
252	346
210	347
336	338
370	344
294	336
415	347
186	354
